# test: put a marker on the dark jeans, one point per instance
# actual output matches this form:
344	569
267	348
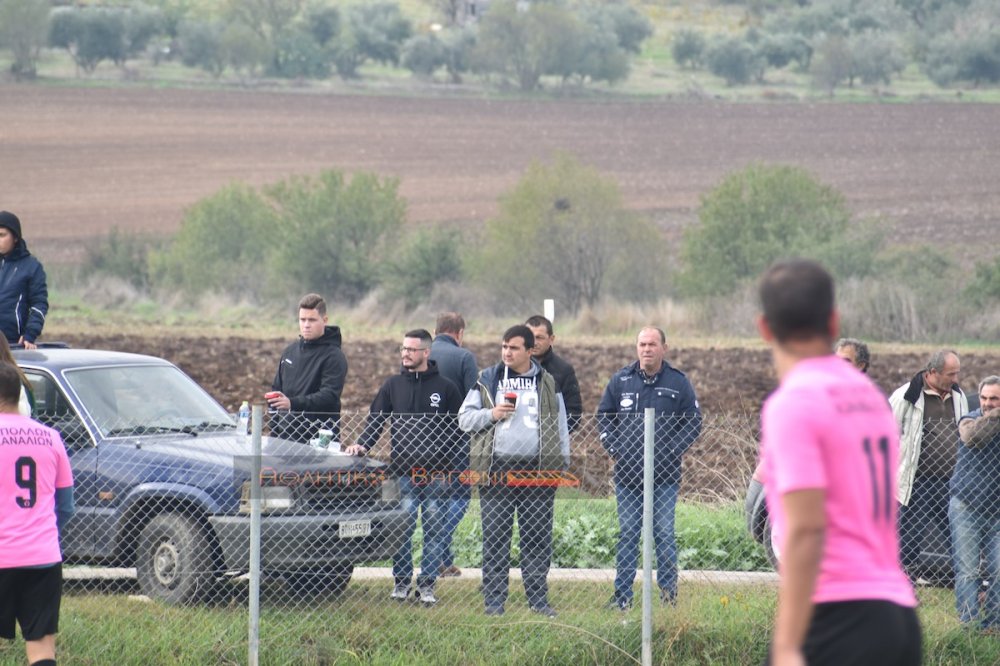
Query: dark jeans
629	500
928	508
533	508
431	500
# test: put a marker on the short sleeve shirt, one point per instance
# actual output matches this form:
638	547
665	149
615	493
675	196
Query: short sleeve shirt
828	427
33	463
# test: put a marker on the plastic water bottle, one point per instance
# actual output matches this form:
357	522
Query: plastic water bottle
243	417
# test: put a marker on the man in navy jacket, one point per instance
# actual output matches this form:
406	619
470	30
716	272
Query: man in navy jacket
648	382
24	296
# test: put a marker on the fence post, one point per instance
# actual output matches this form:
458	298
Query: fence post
253	640
647	537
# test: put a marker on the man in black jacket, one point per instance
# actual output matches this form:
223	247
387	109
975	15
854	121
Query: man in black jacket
310	378
424	440
560	369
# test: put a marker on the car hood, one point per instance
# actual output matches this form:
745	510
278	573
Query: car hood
233	450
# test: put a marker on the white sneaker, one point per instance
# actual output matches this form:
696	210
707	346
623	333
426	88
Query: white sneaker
401	592
426	595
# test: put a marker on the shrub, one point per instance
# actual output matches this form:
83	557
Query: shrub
222	244
297	55
200	43
334	231
559	232
762	213
985	286
423	55
423	259
122	254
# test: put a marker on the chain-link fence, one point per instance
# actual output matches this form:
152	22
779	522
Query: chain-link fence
431	528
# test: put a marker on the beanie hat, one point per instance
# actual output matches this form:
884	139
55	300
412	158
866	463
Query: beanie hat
10	221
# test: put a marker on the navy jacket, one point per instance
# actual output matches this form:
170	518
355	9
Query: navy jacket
424	434
566	383
976	479
24	296
620	417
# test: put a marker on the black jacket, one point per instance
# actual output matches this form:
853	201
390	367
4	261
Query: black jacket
424	434
24	296
312	374
564	374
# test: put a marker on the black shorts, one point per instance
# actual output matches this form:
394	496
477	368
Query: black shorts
862	633
30	596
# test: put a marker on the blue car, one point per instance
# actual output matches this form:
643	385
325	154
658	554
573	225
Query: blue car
162	476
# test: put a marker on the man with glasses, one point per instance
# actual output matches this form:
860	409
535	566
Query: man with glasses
423	439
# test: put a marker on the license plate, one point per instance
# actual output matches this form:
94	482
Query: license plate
352	529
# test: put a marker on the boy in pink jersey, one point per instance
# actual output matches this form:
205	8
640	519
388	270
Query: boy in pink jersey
36	497
829	448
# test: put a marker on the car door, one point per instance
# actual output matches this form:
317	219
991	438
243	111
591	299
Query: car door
53	409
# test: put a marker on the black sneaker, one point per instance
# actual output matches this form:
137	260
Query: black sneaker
495	611
668	598
619	604
544	609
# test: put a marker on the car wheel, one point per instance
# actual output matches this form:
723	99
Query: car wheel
326	582
174	560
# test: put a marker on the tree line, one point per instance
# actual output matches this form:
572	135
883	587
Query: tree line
515	43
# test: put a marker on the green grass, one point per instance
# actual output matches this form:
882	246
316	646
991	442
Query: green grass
712	624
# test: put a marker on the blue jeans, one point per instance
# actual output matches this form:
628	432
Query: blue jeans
458	504
974	533
630	526
431	500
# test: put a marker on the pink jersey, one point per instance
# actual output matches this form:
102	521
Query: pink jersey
33	463
829	427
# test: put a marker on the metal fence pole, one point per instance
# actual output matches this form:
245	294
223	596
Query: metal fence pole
647	537
253	642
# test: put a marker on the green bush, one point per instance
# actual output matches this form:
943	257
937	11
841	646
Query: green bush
423	55
334	232
423	259
222	244
985	286
200	43
24	29
763	213
122	254
559	232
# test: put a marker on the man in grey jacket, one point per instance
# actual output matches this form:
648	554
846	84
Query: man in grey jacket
519	432
927	411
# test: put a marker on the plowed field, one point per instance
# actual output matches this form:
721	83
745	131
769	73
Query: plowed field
79	161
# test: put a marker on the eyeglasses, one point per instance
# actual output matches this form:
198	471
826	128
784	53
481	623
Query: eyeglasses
411	350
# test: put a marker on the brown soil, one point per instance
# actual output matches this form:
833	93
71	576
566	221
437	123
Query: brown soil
730	383
79	161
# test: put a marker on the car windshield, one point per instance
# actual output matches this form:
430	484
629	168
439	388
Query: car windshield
131	399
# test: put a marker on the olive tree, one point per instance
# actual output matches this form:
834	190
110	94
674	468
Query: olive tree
24	29
560	231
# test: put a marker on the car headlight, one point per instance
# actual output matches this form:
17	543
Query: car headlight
272	498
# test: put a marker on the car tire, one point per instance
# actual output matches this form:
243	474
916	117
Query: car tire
174	560
330	581
768	543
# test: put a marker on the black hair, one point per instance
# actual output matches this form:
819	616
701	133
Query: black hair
797	300
520	331
421	334
539	320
